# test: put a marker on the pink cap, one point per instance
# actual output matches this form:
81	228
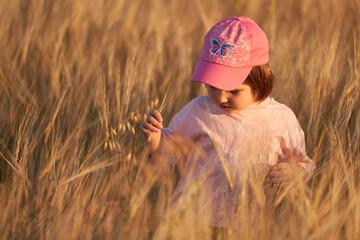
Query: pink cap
231	48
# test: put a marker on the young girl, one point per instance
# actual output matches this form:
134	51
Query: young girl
237	124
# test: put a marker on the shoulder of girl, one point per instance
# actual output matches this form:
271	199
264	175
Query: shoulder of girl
198	101
282	107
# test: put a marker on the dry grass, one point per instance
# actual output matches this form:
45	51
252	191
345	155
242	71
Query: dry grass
76	78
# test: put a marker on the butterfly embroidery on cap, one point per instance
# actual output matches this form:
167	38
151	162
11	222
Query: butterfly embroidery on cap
224	48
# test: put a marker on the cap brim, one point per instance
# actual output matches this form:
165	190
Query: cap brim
219	76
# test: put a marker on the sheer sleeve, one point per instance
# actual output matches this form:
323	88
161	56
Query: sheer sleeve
174	136
288	143
292	147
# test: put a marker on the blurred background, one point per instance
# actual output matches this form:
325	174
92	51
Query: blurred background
77	77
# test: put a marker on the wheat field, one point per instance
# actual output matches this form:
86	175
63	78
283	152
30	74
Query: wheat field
77	77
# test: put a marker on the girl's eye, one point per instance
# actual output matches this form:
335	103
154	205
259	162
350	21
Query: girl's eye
235	91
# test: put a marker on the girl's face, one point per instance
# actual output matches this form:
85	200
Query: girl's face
232	101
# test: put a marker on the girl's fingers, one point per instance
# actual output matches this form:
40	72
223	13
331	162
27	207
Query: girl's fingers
279	170
154	122
144	130
278	173
277	180
157	115
279	166
151	127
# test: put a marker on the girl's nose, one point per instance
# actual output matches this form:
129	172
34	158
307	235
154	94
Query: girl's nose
221	96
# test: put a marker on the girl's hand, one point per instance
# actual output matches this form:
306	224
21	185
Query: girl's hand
279	174
153	123
283	172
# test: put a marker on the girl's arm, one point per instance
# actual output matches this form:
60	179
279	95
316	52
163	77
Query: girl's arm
151	128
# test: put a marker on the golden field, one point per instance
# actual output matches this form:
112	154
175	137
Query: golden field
77	77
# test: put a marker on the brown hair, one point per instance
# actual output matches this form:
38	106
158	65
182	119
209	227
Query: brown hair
261	80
